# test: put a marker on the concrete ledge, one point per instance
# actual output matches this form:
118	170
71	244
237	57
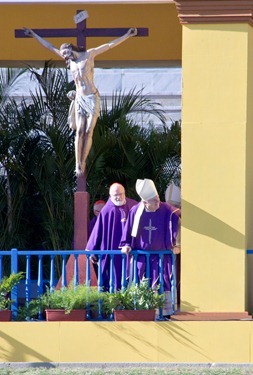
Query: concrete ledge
211	316
126	365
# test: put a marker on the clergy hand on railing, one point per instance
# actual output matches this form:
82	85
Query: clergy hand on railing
176	250
126	249
94	259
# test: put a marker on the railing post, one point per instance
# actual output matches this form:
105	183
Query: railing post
28	283
64	272
88	283
135	275
14	292
100	285
111	281
148	269
40	281
124	273
87	280
161	283
14	260
173	283
52	273
76	276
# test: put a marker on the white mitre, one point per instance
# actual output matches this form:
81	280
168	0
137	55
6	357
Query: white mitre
173	194
146	190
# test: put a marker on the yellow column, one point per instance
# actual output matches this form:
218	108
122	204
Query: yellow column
217	154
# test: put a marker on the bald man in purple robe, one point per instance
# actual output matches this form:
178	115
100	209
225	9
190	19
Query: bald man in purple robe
151	225
107	232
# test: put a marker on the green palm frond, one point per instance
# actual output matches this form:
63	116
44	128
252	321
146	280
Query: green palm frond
123	151
38	158
8	79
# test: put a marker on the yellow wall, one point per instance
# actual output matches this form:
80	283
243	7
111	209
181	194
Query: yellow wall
249	288
133	342
249	139
217	165
162	45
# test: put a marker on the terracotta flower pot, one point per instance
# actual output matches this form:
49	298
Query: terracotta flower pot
5	315
60	315
134	315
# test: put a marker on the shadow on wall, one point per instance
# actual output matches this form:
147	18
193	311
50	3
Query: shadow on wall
199	221
18	351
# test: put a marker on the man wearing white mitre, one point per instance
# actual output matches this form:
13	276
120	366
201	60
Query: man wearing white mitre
152	225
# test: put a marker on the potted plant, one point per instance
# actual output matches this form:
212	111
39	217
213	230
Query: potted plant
6	285
136	302
67	304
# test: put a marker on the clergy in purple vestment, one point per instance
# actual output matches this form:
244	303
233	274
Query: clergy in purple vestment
151	225
108	229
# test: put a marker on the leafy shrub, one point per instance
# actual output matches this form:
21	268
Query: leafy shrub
134	297
6	285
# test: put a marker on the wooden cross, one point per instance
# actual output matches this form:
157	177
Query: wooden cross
81	32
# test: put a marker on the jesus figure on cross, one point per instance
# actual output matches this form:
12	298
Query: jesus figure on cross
85	101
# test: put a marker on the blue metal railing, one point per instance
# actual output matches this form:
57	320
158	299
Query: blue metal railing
14	256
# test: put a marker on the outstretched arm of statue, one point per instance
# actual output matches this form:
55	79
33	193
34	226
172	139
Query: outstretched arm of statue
105	47
43	42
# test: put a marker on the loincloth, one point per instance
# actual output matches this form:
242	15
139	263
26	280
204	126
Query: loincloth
88	105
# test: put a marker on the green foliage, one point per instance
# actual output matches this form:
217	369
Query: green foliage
124	151
6	285
37	154
69	298
134	297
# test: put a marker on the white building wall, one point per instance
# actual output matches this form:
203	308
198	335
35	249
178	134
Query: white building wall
162	85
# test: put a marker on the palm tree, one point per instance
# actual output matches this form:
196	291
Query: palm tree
10	202
160	155
37	154
53	169
123	150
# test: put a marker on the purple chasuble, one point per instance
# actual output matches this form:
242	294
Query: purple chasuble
92	224
156	231
106	235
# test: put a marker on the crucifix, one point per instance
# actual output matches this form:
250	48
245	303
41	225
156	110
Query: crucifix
85	106
150	228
